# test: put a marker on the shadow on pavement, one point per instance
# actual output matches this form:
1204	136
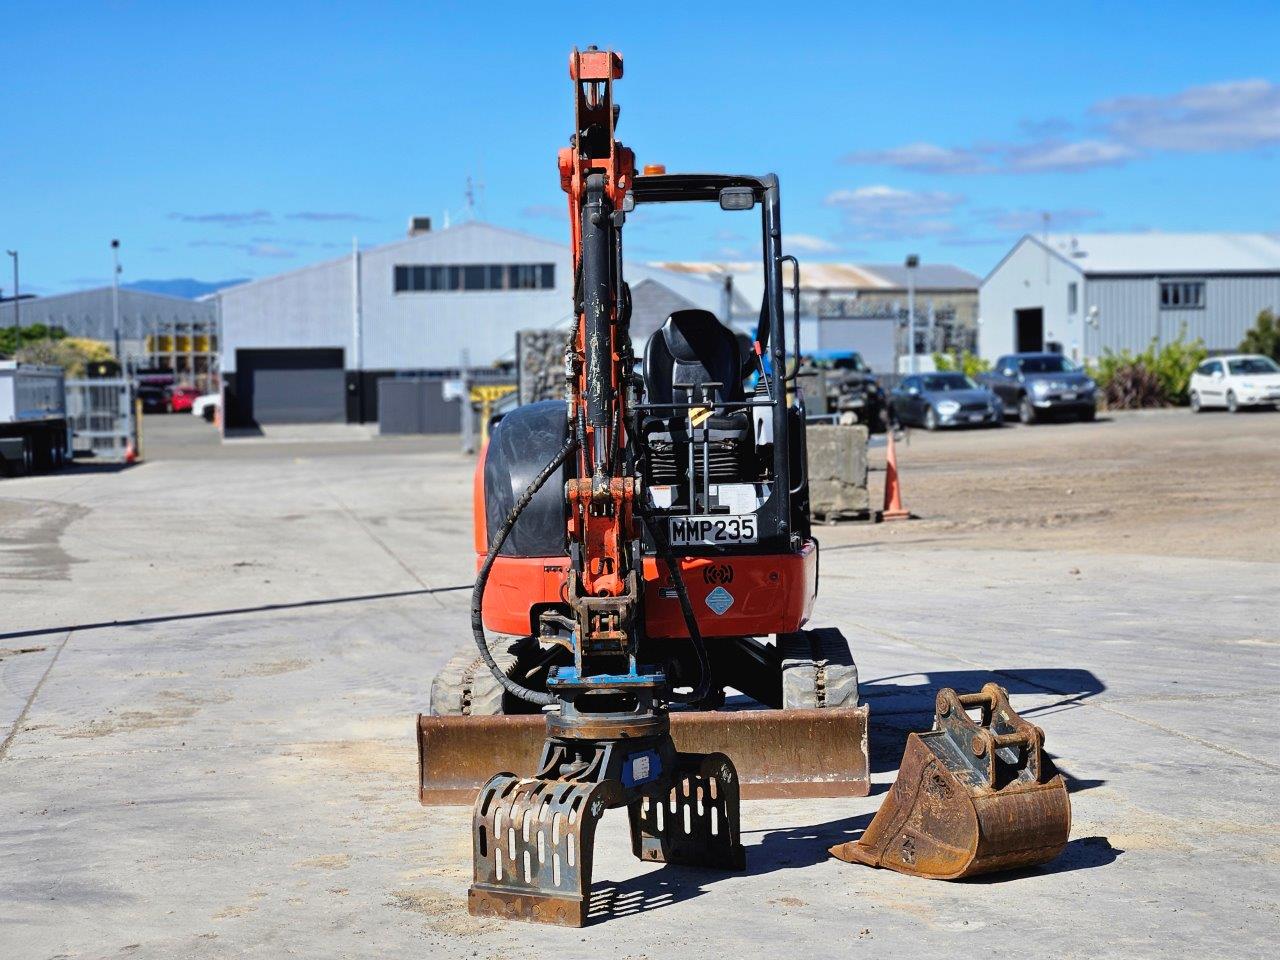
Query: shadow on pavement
1083	853
785	848
796	847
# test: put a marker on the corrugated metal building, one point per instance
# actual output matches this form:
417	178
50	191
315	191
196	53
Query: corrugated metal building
848	306
311	344
1088	293
87	313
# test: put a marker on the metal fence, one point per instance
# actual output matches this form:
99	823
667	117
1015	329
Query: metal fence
101	416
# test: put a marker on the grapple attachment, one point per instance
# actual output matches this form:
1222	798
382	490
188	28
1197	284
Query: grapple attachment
970	798
534	837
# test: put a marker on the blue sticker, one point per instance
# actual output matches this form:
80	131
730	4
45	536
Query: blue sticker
719	600
641	768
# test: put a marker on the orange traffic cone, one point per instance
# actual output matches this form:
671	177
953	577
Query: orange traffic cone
893	508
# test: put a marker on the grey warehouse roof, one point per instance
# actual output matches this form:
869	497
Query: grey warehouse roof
1165	253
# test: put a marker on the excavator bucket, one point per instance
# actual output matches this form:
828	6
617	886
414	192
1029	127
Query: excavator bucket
971	797
778	753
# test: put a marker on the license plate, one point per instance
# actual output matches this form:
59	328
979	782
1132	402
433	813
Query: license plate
976	418
1069	395
712	531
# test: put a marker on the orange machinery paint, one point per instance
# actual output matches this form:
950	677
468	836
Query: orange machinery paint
772	593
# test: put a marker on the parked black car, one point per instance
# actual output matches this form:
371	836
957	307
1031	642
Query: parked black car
1037	385
843	386
154	398
934	400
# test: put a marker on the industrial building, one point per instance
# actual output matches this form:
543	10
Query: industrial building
311	345
848	306
1088	293
156	331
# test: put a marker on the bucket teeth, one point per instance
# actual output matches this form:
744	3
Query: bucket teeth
970	798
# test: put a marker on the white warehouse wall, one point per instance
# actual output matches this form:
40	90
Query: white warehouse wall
315	306
1030	276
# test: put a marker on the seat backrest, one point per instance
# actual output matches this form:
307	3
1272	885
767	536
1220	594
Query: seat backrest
690	349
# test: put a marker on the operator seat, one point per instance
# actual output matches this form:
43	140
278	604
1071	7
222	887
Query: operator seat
692	348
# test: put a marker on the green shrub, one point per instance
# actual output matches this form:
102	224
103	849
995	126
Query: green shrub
34	333
1264	338
73	354
1165	373
970	364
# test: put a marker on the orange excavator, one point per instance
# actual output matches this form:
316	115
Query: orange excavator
642	546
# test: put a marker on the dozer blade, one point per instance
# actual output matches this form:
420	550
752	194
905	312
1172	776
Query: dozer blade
970	797
778	753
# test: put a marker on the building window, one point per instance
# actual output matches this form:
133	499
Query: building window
1073	292
1182	295
416	278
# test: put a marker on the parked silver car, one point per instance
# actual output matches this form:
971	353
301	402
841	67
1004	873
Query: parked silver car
934	400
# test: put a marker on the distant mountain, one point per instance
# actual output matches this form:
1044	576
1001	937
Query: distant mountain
183	287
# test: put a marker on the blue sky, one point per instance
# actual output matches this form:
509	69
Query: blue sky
242	139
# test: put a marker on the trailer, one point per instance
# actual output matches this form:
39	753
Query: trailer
35	435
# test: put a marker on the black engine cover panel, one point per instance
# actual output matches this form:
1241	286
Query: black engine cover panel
522	443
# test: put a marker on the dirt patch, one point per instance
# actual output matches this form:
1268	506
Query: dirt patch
1167	482
233	911
269	668
6	652
173	707
332	861
443	911
361	757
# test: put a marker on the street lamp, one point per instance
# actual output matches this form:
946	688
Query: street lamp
913	261
115	298
17	316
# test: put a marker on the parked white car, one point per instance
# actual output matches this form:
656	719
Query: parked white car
206	405
1241	380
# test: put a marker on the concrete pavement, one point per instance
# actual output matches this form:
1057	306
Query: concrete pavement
210	666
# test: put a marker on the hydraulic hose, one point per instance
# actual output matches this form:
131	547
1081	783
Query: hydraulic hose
482	578
686	608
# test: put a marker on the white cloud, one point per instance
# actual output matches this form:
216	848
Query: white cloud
251	217
926	158
259	247
807	243
1235	115
1217	117
1027	220
881	212
326	216
1056	156
1038	156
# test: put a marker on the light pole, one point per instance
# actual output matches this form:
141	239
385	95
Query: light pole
913	261
17	316
115	298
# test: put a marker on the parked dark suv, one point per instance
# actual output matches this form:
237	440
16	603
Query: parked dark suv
840	384
1038	385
